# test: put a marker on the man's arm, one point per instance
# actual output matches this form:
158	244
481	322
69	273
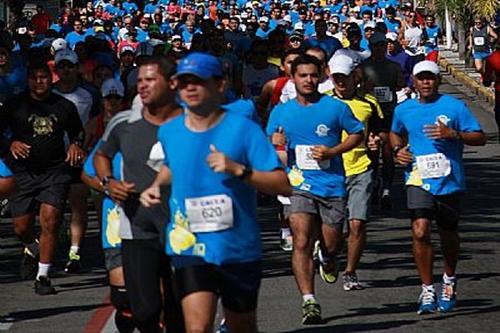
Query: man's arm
323	152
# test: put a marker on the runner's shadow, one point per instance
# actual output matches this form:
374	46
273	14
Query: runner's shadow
17	316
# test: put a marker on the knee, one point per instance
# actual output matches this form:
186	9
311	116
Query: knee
421	230
357	229
148	312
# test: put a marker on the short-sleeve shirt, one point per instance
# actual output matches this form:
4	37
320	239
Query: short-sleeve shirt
199	194
437	166
320	123
4	170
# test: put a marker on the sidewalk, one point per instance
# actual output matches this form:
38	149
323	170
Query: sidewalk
451	63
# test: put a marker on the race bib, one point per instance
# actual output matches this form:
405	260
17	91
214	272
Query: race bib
433	166
210	213
479	41
383	94
303	154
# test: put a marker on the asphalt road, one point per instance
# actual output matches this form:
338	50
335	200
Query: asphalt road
387	270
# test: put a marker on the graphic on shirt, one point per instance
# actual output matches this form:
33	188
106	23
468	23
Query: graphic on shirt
113	227
295	176
156	156
42	125
414	178
443	119
322	130
180	237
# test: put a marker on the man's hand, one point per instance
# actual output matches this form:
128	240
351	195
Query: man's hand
374	142
119	190
75	155
403	156
321	153
19	149
278	139
440	131
150	196
222	164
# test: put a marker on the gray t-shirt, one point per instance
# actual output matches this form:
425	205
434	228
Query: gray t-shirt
136	139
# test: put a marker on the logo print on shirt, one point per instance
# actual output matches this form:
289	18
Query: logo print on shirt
443	119
322	130
42	125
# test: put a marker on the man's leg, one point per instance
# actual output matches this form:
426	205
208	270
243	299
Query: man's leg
199	311
78	202
241	322
303	229
142	269
422	249
355	244
23	228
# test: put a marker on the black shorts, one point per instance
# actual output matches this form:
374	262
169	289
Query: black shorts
76	174
236	284
49	187
445	209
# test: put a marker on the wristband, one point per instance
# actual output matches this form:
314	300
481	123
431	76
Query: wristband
247	172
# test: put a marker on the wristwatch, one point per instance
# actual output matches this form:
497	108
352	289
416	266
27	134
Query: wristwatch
395	150
105	182
247	172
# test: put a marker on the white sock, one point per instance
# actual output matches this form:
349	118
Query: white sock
429	287
385	192
449	279
74	248
285	232
43	270
307	297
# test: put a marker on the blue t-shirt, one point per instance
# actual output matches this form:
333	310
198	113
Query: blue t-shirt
433	34
392	26
74	38
429	169
130	7
243	108
328	44
110	228
13	83
4	170
199	194
321	123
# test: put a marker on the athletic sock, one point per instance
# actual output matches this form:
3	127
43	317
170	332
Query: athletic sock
74	248
307	297
449	279
43	270
285	232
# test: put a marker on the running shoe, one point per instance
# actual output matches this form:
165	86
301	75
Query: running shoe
73	265
350	282
124	322
329	276
448	297
29	265
43	286
223	328
286	243
427	301
311	312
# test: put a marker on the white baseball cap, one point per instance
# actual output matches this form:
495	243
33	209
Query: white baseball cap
298	26
127	48
287	18
58	45
426	66
264	19
66	54
392	36
341	64
112	87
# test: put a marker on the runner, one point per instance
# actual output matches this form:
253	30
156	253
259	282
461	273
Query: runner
113	93
213	236
432	37
312	125
68	86
492	73
384	78
357	163
133	134
428	135
39	120
479	42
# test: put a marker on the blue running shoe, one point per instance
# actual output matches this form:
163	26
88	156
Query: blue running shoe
427	301
448	297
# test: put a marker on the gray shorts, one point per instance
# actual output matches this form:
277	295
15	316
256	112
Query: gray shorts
359	191
112	258
331	210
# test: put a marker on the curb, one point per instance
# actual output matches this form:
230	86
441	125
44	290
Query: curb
470	83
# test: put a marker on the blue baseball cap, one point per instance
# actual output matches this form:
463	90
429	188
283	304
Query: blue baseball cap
199	64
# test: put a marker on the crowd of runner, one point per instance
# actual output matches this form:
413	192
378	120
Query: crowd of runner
175	116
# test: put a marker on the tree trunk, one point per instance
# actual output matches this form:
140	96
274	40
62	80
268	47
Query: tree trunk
462	41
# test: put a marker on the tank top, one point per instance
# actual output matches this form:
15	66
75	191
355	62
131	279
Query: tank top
480	42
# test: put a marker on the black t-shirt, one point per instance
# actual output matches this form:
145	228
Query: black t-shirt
42	125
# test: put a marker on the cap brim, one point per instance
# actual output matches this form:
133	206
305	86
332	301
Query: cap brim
425	71
193	73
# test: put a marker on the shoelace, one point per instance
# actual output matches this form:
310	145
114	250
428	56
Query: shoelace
447	292
311	307
427	297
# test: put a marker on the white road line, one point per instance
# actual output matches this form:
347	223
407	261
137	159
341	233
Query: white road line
5	326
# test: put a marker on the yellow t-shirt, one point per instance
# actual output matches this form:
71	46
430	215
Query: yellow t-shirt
363	106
